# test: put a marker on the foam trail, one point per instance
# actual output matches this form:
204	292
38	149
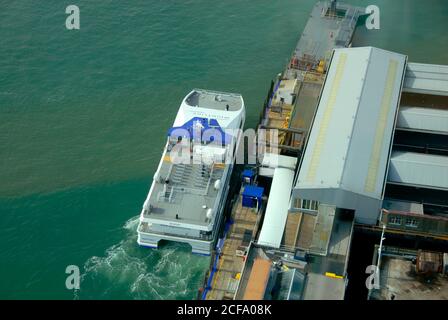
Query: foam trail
128	270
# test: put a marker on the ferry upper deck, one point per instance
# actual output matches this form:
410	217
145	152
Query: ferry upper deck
214	100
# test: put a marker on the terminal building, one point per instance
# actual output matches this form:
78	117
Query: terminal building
375	155
378	144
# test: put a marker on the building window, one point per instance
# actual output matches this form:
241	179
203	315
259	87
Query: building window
411	223
395	220
309	205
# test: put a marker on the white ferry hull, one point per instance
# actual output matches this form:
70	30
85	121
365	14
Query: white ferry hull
153	227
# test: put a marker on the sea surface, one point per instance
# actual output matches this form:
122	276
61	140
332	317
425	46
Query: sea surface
83	117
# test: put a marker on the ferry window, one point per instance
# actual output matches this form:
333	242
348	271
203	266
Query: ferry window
411	223
305	204
395	220
297	203
310	205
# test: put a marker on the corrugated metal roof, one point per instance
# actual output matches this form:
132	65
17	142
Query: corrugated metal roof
277	209
423	119
349	143
419	169
426	78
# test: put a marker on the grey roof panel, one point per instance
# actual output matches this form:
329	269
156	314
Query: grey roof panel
419	169
423	119
349	143
426	78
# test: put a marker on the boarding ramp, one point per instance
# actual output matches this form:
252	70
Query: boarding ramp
277	208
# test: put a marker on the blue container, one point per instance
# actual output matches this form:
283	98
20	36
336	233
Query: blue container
252	196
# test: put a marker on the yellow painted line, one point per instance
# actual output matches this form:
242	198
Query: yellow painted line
333	275
380	128
326	119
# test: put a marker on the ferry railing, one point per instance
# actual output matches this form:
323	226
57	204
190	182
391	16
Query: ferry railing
146	229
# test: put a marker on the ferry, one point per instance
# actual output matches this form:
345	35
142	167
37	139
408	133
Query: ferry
189	190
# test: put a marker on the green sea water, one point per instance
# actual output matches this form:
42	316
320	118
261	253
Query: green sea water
83	116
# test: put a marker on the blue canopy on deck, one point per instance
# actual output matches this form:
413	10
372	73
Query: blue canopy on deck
252	195
201	129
